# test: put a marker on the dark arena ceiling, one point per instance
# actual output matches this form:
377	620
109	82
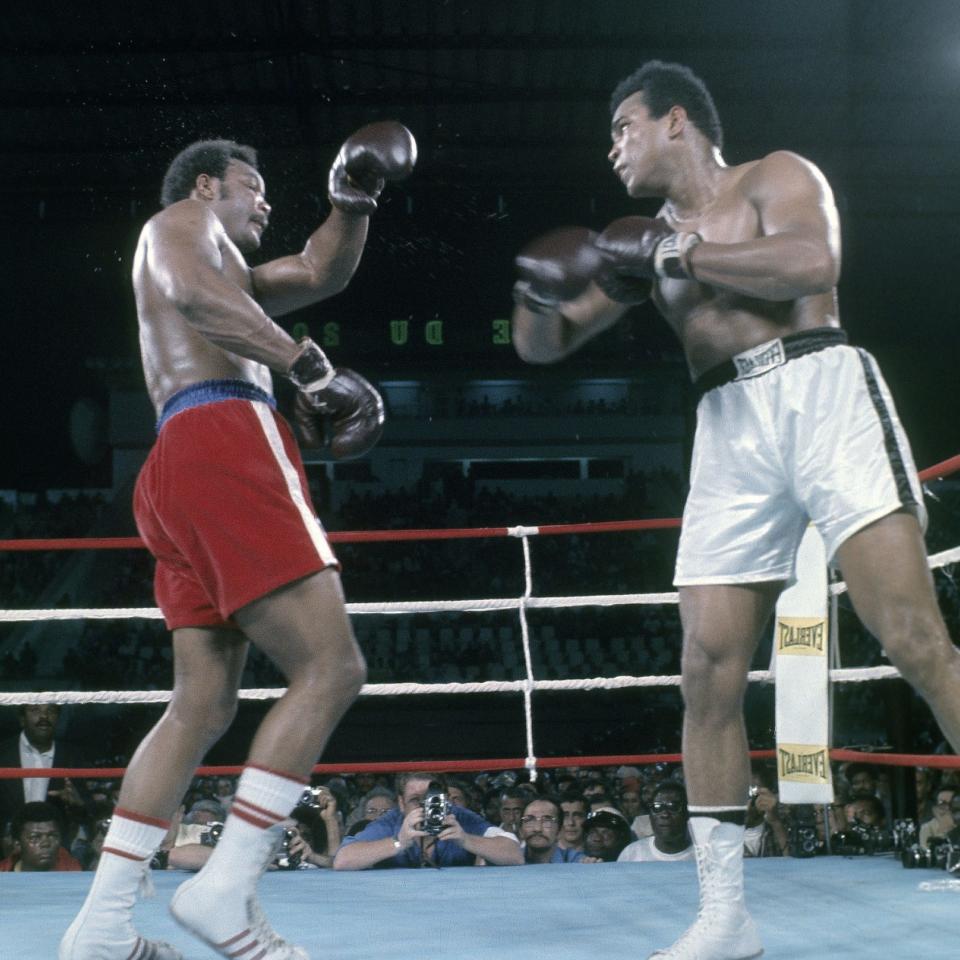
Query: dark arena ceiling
508	100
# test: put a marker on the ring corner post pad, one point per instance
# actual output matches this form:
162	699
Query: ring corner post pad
800	665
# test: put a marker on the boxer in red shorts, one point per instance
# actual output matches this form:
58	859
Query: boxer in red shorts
222	502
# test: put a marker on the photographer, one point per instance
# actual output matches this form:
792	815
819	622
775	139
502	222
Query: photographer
766	834
426	831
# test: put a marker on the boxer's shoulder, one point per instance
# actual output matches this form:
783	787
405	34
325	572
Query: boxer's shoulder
183	218
781	170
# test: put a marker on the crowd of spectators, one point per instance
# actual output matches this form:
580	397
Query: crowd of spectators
572	814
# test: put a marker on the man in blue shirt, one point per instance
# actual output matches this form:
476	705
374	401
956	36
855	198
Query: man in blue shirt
539	825
397	839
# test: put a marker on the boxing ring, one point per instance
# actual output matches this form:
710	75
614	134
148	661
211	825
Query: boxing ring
805	908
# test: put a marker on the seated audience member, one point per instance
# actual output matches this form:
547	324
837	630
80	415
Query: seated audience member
374	803
867	811
38	746
461	794
490	806
862	780
574	816
942	822
630	804
766	834
669	819
37	848
954	834
540	826
512	802
605	834
926	782
397	839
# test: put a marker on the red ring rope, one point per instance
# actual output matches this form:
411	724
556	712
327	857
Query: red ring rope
938	761
936	472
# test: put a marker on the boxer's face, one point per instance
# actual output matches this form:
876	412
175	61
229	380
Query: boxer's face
635	151
241	205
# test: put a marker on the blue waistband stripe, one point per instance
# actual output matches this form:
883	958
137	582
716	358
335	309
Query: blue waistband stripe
212	391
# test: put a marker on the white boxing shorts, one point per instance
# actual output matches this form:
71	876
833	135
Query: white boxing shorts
793	431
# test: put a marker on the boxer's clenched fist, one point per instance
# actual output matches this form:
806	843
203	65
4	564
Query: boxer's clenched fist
555	267
646	248
368	158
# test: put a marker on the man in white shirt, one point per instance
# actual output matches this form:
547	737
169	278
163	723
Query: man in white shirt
669	818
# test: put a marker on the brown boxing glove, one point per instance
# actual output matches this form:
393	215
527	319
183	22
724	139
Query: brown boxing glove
347	414
368	158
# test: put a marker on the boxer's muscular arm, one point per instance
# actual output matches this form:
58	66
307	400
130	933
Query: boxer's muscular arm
799	252
324	266
184	261
548	337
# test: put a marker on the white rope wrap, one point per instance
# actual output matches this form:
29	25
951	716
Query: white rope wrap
849	675
390	608
526	686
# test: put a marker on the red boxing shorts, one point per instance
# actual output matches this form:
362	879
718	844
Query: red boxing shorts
223	505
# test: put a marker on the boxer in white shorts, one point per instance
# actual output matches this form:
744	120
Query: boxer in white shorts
791	439
743	263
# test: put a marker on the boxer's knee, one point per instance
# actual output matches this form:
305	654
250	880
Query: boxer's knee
334	670
918	645
204	716
714	676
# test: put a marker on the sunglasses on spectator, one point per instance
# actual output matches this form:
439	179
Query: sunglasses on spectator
674	806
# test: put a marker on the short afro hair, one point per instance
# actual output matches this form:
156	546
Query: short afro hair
665	85
211	157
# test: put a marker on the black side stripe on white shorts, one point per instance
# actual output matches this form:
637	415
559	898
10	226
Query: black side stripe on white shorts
894	456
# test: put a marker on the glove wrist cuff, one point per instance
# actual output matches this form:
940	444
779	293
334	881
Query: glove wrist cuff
534	300
311	370
670	258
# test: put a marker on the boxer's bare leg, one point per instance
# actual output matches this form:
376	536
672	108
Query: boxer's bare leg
305	630
891	588
721	629
207	665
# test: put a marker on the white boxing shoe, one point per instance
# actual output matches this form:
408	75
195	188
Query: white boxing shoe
723	930
716	937
226	915
103	929
230	924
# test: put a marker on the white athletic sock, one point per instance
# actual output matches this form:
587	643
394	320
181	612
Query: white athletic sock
263	799
219	905
134	836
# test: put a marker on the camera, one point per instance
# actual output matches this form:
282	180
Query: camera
914	856
862	839
284	859
211	835
904	834
753	792
803	838
436	806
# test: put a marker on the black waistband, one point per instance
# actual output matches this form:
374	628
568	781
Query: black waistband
767	356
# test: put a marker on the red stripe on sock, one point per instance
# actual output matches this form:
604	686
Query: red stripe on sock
250	818
123	853
278	773
141	818
258	811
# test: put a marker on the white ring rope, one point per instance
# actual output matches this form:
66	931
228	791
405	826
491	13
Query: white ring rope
849	675
521	604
